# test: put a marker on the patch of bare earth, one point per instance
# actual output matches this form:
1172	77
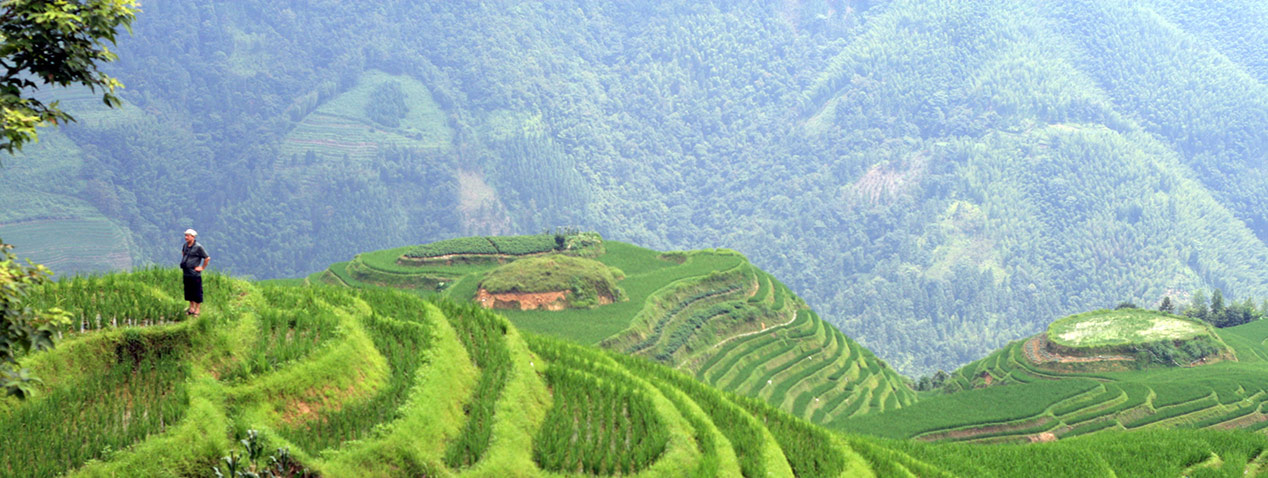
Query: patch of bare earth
1042	437
1037	352
970	433
552	300
305	408
555	300
886	181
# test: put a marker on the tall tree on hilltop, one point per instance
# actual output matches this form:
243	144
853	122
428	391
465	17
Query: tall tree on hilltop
1217	313
57	44
1198	307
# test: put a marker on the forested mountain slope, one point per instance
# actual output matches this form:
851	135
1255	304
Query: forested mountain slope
934	177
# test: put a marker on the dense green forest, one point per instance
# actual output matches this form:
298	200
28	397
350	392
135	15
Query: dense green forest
935	178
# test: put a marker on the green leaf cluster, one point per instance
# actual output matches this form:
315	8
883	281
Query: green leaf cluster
54	44
23	329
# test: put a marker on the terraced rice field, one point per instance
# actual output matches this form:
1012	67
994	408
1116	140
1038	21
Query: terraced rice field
340	127
1229	394
378	382
71	245
709	313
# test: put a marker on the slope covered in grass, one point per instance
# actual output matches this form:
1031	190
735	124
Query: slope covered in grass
383	383
1111	378
710	313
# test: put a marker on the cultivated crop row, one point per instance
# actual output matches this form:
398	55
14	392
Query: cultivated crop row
763	287
562	354
735	312
462	245
113	300
780	391
792	340
743	431
597	427
293	325
798	360
137	394
703	293
713	369
509	245
402	338
483	334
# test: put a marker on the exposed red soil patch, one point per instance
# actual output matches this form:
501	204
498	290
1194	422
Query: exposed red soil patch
1037	352
302	409
556	300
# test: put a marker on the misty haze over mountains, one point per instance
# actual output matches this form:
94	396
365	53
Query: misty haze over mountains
935	178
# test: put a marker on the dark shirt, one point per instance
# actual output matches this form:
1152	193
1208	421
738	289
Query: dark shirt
191	257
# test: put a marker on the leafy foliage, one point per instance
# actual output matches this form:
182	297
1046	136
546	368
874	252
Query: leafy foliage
140	393
462	245
57	44
387	105
23	329
557	273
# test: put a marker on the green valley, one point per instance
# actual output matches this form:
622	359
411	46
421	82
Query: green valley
666	238
937	178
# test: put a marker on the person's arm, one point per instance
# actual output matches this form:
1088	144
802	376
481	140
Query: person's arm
206	260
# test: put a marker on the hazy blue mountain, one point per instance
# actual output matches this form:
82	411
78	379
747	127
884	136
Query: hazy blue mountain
936	178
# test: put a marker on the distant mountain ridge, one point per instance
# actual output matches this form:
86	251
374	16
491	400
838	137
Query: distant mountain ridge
934	179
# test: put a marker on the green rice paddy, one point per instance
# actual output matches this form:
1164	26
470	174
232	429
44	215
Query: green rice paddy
708	312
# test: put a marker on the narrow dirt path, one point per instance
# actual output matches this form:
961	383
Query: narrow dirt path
746	334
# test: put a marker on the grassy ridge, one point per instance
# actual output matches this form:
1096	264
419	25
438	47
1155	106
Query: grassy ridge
383	383
554	273
1224	394
707	312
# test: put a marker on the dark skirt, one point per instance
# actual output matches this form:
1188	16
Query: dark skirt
194	289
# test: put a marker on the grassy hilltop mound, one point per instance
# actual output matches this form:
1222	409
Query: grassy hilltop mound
552	282
383	383
1113	370
1128	336
710	313
1123	328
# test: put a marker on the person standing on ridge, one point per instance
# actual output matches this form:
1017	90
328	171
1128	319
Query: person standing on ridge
193	260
